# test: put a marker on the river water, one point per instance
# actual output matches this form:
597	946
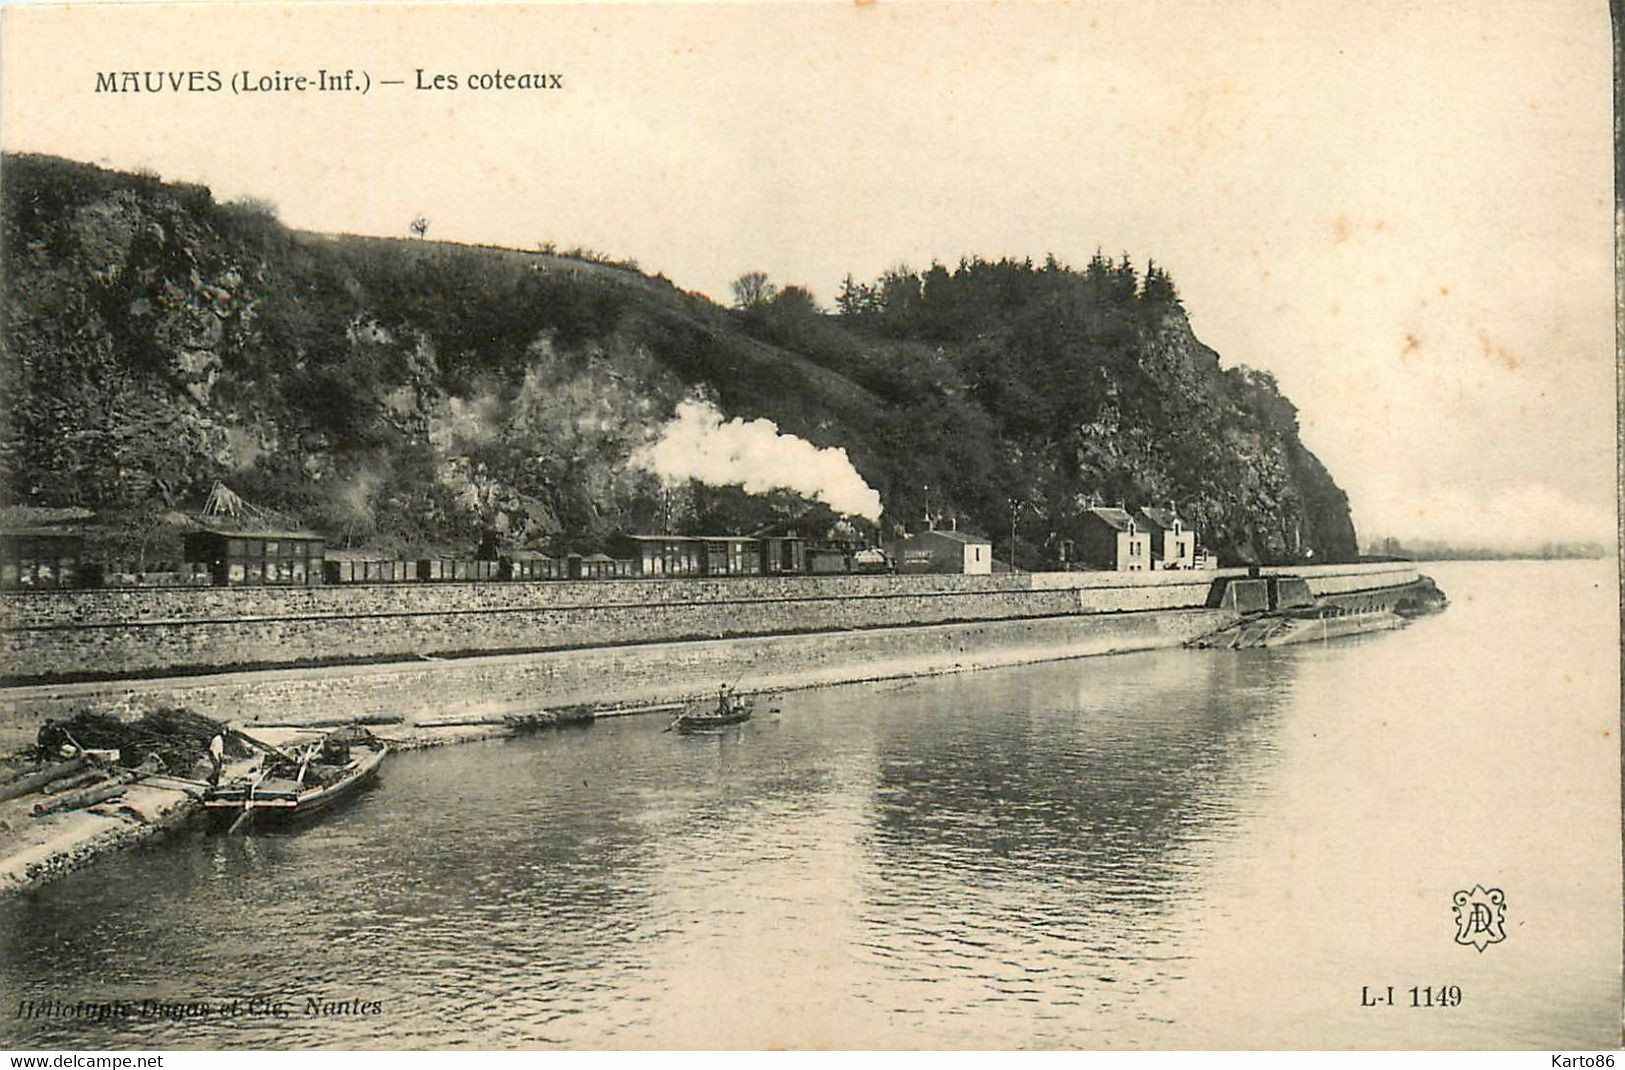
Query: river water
1167	849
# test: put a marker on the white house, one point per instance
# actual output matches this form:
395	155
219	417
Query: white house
1172	544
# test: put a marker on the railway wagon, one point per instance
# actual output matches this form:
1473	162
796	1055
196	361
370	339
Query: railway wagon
43	558
655	556
342	566
827	560
599	566
784	554
255	558
528	565
460	569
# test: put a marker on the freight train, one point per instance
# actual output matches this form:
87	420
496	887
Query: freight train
51	559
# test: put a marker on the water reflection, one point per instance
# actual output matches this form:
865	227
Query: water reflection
1032	853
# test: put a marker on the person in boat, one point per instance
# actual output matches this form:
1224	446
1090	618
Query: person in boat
335	750
722	699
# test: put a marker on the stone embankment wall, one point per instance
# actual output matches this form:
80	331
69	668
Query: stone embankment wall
47	635
653	672
1344	579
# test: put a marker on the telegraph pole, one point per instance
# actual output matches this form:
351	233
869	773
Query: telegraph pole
1015	504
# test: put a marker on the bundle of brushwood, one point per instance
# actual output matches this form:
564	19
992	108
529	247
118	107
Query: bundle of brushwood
177	737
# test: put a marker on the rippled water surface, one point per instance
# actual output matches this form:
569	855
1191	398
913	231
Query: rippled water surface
1167	849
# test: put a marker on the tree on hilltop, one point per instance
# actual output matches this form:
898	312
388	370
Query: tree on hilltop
1158	287
796	301
856	298
753	288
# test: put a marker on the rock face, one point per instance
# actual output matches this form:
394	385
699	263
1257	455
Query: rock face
414	396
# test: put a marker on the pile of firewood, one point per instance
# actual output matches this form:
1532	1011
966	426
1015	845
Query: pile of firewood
71	785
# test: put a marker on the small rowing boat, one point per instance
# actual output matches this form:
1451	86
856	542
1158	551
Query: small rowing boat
306	780
729	709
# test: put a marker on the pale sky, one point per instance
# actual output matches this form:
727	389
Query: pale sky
1403	211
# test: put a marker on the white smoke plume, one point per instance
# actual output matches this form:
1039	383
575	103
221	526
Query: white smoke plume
699	443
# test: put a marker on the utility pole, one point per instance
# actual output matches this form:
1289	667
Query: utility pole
1015	504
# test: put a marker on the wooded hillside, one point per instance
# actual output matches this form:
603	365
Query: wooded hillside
413	395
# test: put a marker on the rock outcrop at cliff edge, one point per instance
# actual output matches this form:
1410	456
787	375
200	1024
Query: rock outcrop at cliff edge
415	395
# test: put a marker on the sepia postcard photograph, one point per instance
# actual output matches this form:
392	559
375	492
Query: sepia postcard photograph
890	524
